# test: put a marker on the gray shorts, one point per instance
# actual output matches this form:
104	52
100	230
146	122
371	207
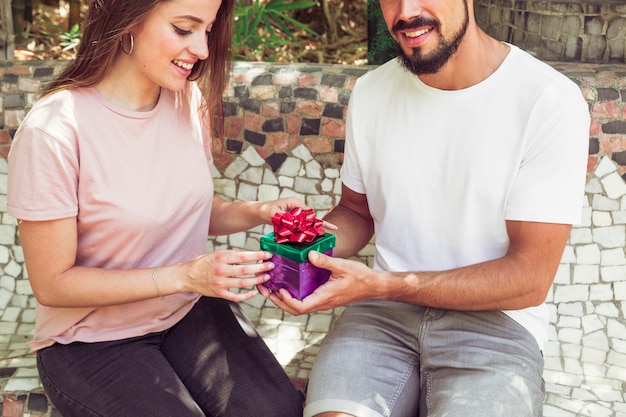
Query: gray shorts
388	359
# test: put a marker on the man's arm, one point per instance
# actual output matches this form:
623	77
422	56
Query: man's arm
354	222
519	279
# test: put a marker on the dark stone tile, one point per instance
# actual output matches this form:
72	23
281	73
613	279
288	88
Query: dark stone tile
614	127
287	107
273	125
310	127
9	78
7	373
37	402
242	91
43	72
275	160
620	157
607	94
594	146
234	146
251	104
339	145
285	92
354	72
265	79
344	97
333	110
254	138
230	109
333	80
304	92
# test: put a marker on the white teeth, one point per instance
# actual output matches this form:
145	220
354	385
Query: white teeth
183	65
416	33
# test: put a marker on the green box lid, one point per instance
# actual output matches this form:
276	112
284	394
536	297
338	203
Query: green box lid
297	251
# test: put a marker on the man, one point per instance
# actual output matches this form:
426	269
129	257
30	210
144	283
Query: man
466	158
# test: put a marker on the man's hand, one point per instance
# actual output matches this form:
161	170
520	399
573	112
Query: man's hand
347	284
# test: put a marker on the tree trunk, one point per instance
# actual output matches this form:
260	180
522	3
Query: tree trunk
74	16
8	35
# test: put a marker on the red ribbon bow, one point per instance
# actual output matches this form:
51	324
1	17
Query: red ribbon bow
300	226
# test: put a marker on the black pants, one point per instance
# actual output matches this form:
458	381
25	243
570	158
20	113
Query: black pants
212	363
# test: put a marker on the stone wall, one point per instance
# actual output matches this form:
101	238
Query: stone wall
559	30
285	137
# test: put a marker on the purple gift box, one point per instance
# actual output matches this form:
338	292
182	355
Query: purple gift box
293	271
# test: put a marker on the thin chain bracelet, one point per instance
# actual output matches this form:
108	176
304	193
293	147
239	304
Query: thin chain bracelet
154	279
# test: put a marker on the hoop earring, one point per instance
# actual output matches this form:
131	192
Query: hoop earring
127	49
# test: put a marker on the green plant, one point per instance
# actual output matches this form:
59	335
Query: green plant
68	40
381	46
262	25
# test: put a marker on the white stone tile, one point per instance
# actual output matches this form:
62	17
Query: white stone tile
613	273
22	384
236	168
588	254
615	256
603	203
610	237
580	236
268	192
586	274
252	157
601	292
252	174
604	167
602	219
596	340
313	169
614	185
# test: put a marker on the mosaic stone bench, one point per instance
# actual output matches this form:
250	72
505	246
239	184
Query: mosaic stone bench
285	130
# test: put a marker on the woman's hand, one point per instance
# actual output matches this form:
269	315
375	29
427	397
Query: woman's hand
269	208
215	274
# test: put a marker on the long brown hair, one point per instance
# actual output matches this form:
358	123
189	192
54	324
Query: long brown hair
103	27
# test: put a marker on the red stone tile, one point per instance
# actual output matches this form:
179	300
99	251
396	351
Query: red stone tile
233	127
319	145
11	407
333	128
292	123
253	121
270	110
306	80
611	143
21	70
309	108
277	142
592	163
329	94
595	128
222	160
605	110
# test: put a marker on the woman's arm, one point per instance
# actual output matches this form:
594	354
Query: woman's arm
50	249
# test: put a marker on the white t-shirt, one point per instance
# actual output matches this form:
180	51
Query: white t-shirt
444	169
140	185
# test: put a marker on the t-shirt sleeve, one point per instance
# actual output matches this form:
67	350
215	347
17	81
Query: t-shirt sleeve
42	177
549	186
350	169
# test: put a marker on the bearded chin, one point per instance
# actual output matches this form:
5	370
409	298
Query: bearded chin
419	65
422	65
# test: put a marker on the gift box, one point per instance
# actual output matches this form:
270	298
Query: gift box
292	269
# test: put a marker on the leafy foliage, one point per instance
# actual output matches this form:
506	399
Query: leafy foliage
264	25
381	46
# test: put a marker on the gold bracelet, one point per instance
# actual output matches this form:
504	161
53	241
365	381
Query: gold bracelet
154	279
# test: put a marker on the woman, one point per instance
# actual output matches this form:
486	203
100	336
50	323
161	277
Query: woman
111	184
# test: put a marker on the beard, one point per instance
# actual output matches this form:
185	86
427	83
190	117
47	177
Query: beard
420	64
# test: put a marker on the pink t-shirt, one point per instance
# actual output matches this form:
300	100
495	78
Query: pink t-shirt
140	186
